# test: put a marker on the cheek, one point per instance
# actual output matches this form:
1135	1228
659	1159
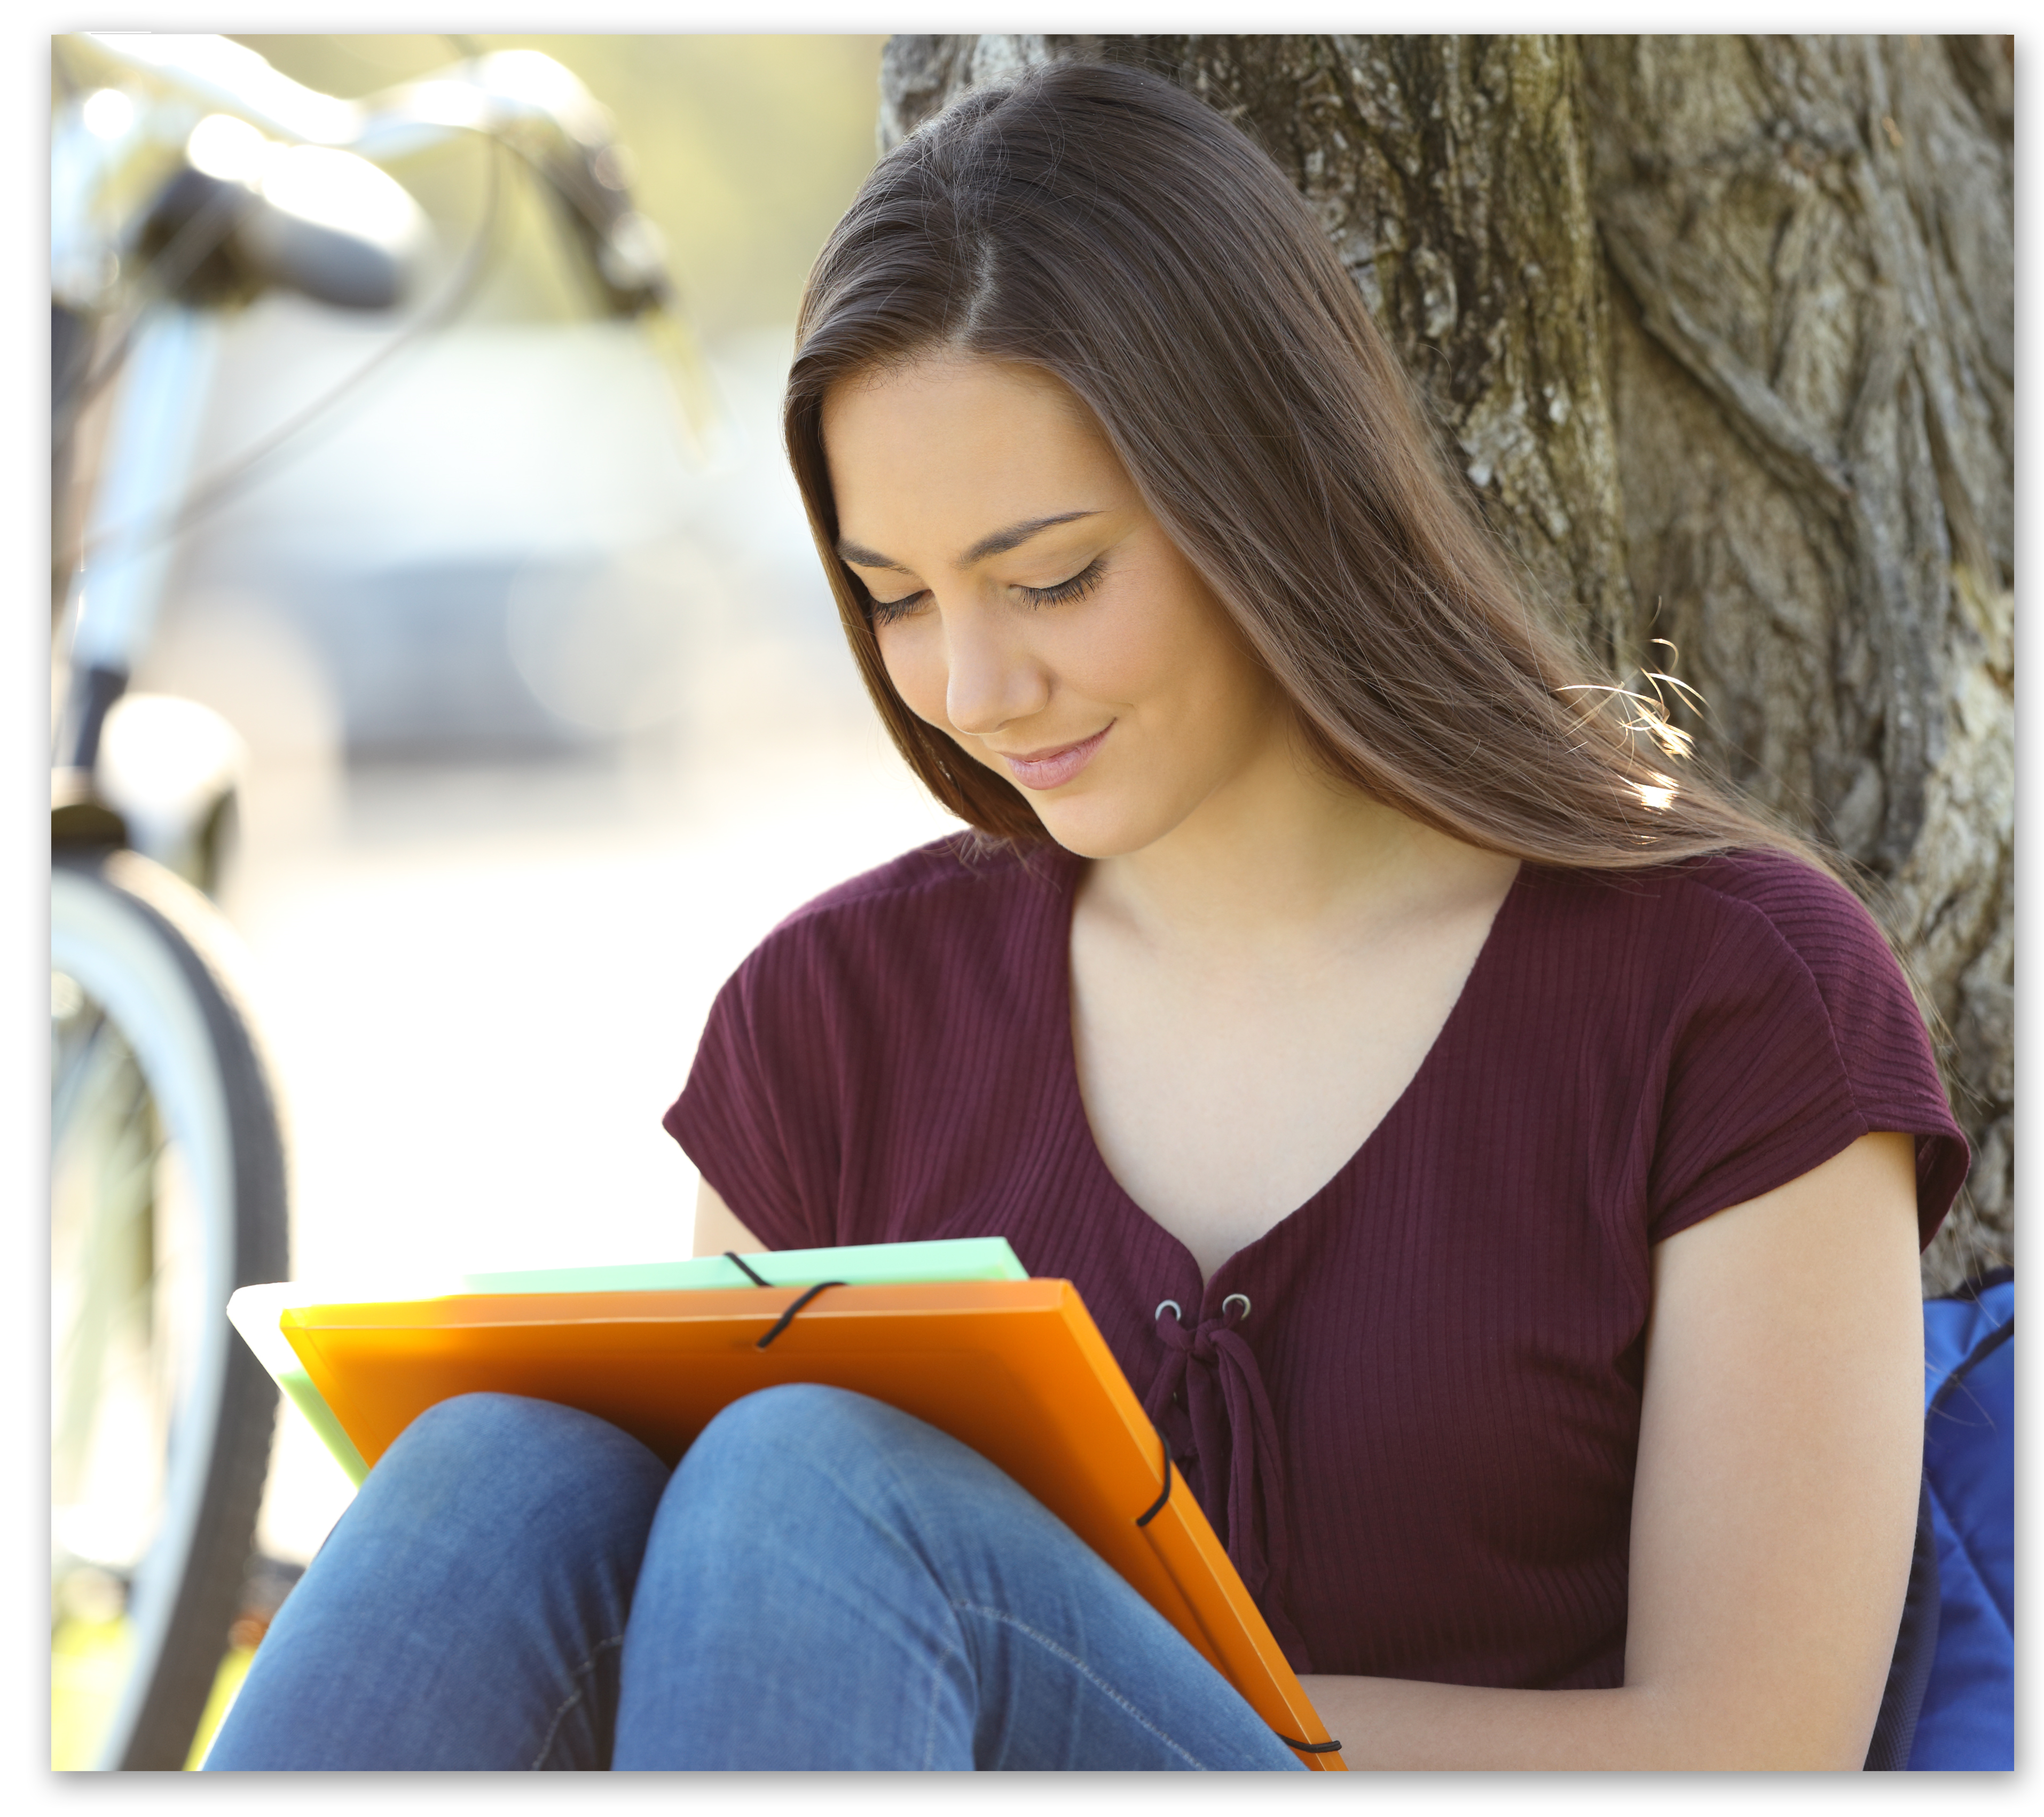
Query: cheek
914	658
1121	655
1169	643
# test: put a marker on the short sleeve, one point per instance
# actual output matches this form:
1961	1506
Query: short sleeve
735	1116
1799	1035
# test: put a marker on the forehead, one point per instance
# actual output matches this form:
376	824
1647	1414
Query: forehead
946	384
957	438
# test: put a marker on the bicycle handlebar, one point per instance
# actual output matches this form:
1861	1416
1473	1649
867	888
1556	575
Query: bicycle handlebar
241	130
522	98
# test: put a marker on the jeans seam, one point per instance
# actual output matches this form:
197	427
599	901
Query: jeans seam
1085	1670
583	1671
936	1696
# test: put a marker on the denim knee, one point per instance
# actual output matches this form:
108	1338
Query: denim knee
806	1420
514	1455
469	1425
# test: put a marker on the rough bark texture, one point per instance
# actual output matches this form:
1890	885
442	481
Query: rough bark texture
1722	331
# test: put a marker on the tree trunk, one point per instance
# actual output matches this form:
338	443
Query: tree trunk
1721	329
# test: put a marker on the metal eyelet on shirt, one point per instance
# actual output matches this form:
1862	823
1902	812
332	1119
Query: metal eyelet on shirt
1231	1299
1178	1312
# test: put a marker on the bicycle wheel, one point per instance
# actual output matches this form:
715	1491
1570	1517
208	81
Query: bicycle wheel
167	1192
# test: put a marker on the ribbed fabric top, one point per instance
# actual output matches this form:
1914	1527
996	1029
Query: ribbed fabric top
1419	1441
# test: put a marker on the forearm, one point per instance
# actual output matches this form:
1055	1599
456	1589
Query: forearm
1391	1725
1394	1724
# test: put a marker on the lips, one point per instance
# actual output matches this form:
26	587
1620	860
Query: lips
1056	766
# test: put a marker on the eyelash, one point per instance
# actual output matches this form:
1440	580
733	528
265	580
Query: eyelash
886	611
1077	588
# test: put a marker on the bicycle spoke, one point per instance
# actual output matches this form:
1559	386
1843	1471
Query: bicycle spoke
73	1055
106	1152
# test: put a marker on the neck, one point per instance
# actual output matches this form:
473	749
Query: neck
1281	856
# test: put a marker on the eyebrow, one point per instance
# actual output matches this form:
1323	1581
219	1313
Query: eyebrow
998	543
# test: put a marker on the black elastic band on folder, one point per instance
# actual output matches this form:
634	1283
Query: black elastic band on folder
1157	1506
788	1318
1149	1514
738	1262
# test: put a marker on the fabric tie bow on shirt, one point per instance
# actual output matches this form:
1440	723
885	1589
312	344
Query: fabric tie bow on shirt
1208	1401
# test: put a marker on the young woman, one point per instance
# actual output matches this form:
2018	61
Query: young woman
1498	1160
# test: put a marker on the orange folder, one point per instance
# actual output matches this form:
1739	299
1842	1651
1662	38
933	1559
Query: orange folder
1016	1369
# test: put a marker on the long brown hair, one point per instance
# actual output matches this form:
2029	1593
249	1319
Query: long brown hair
1097	224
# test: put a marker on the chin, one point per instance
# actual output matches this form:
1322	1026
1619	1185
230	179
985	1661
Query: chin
1088	827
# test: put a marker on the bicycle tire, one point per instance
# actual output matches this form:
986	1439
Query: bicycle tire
144	966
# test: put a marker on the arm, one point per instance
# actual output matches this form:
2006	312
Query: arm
1780	1449
716	1230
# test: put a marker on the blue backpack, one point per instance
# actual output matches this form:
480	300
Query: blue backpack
1950	1699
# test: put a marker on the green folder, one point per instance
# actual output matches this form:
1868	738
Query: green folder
257	1311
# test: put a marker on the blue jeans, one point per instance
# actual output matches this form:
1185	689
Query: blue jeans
824	1583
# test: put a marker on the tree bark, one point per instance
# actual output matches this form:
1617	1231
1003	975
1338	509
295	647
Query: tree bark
1722	332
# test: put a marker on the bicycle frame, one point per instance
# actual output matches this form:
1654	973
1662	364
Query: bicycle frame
114	598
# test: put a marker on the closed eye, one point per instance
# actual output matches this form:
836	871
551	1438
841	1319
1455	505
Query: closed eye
1077	588
886	611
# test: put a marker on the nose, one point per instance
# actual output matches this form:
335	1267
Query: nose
991	679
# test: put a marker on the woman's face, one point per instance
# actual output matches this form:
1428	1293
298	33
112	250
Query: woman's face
1028	606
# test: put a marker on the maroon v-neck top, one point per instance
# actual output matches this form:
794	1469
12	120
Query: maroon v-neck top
1412	1407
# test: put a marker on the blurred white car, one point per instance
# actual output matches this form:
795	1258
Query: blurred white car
501	544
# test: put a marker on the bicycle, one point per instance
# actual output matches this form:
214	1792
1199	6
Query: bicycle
168	1155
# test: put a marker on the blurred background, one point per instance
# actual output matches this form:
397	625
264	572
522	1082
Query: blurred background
543	719
548	718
